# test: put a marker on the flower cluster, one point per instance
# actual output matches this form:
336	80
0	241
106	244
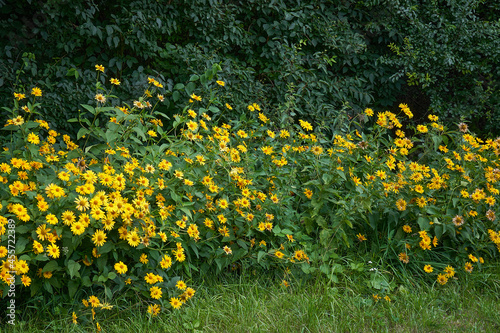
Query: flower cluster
133	204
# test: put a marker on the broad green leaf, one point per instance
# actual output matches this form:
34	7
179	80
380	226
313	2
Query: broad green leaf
73	268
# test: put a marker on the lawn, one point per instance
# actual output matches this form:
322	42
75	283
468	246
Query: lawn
259	303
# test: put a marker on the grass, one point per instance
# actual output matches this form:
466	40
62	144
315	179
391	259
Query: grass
261	304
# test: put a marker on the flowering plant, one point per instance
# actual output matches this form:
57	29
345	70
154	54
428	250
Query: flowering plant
133	204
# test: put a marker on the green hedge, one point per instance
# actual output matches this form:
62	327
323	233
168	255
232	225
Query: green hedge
306	59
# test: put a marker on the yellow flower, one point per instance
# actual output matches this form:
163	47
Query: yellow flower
82	203
3	250
305	125
26	280
422	128
428	269
449	271
407	228
228	250
18	121
154	309
268	150
263	118
99	68
19	96
317	150
33	138
197	98
369	112
361	237
442	279
155	292
94	301
181	285
175	302
166	262
53	251
144	258
133	239
36	92
403	257
51	219
77	228
121	268
401	204
99	237
151	278
221	83
100	98
116	82
472	258
192	125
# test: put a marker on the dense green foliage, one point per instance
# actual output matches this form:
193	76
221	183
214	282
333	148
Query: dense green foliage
233	136
138	204
300	58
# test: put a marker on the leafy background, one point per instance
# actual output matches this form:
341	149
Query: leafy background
306	59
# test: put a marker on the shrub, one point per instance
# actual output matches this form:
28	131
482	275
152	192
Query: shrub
135	205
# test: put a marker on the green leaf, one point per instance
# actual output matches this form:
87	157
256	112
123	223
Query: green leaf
107	247
140	132
260	255
325	269
21	243
190	88
423	223
108	292
242	244
179	86
342	174
220	263
73	268
186	211
86	281
203	79
327	178
438	231
82	132
50	266
322	222
89	108
73	288
47	286
214	109
111	136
